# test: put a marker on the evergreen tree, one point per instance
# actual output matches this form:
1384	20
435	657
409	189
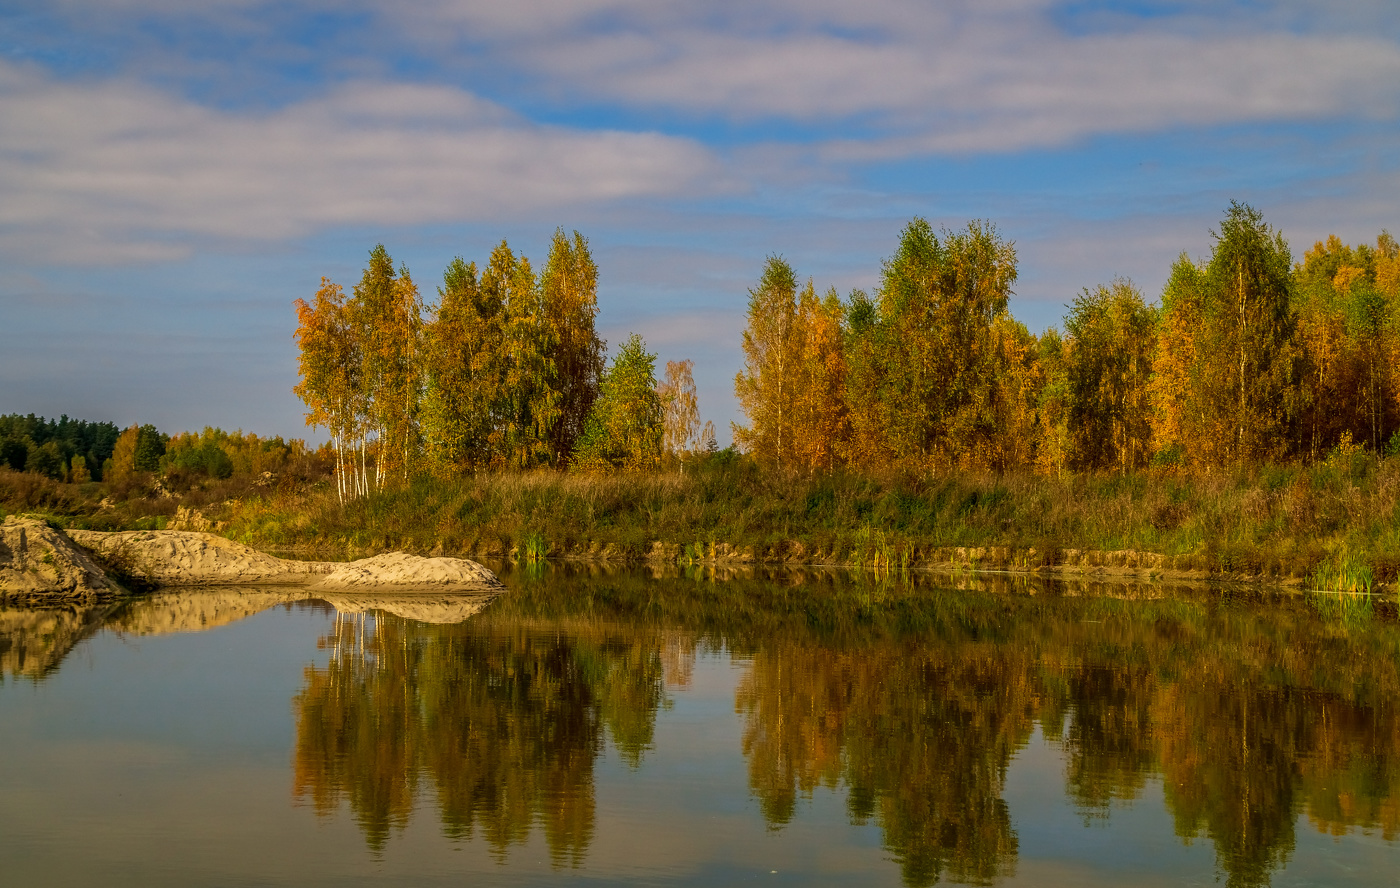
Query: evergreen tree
626	426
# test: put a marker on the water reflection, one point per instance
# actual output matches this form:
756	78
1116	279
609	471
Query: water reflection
502	722
1258	717
34	641
1249	711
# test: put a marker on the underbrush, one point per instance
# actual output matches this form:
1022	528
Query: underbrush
1268	521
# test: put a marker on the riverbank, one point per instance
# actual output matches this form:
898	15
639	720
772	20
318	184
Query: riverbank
1334	524
44	565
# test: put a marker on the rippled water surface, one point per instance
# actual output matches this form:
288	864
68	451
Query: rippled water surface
628	729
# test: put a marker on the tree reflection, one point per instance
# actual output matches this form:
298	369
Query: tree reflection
1109	744
1247	716
1256	720
503	722
921	738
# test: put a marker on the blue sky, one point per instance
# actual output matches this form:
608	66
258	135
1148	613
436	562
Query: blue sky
174	175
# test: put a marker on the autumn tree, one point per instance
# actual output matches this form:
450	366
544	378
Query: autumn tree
527	401
925	362
819	415
1347	323
1226	365
386	312
1108	365
1052	405
332	381
1014	400
569	295
625	427
682	410
460	376
123	460
765	387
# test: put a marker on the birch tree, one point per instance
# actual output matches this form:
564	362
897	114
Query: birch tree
765	387
331	381
1108	365
569	293
924	365
681	407
386	313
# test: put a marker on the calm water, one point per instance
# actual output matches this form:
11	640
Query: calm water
628	729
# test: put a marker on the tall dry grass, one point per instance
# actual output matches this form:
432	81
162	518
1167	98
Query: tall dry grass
1270	521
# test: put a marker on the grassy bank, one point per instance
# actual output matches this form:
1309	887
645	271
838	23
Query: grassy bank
1336	521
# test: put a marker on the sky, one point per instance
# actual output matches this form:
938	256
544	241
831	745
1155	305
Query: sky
174	175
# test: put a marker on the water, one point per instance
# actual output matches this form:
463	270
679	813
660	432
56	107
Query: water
789	730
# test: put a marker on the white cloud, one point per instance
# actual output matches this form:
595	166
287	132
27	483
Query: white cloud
987	85
878	79
906	77
107	169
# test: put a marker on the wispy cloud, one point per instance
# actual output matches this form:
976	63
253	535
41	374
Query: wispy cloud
878	79
121	169
901	78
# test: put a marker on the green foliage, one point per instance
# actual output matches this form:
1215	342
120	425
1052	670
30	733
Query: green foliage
534	548
1108	363
150	447
211	454
460	384
766	386
19	435
47	460
923	374
625	427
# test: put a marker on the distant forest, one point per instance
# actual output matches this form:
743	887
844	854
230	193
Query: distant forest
54	447
79	452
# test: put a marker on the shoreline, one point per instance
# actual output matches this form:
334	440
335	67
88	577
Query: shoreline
1087	565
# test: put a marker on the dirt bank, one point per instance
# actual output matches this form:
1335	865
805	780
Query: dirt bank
39	564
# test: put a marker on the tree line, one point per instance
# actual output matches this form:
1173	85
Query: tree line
63	449
79	452
505	371
1248	358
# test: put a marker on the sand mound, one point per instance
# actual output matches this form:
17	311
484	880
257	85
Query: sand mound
402	570
174	557
45	565
41	565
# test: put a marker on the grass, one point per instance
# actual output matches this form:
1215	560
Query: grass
1342	590
1266	521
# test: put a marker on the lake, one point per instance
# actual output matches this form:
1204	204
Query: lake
795	728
